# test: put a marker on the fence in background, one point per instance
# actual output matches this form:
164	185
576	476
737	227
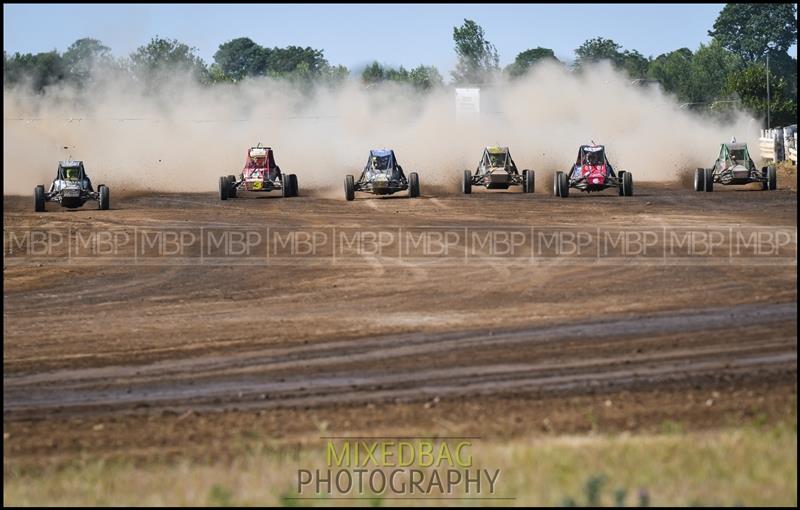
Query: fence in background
779	144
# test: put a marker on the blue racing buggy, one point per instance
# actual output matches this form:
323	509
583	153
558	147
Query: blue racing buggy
382	175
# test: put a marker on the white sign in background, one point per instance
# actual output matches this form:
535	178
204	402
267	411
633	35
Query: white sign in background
468	102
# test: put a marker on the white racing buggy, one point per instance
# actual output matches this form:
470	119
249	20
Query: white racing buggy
497	170
734	166
260	174
382	175
71	188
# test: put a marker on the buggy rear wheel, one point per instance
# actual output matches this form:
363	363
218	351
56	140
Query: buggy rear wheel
708	182
38	198
293	181
627	184
105	198
223	188
528	181
466	184
349	188
772	178
699	179
413	185
561	185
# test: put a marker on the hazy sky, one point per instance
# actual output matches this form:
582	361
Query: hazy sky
355	34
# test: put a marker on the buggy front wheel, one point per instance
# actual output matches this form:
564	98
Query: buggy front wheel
293	181
627	184
561	185
286	185
466	185
699	179
232	189
38	198
413	185
223	188
772	178
708	183
349	188
104	199
528	181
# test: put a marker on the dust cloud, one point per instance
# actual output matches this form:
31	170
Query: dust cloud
182	136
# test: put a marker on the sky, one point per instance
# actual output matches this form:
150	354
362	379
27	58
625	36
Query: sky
356	34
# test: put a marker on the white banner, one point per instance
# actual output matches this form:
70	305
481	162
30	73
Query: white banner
468	101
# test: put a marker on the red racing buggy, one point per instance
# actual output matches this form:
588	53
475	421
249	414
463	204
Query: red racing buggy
260	174
592	172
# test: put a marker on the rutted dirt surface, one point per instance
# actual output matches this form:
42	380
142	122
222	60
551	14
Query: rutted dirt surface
483	346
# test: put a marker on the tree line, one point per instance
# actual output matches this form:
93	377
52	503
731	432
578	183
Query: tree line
730	71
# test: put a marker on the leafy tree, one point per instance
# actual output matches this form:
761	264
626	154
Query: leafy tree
376	73
425	77
161	56
421	77
217	75
673	71
711	66
84	56
333	75
753	30
477	57
373	73
42	69
598	49
286	60
750	85
785	66
528	59
239	58
635	64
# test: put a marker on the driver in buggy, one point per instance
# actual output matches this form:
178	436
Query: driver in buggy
72	174
383	164
599	158
263	163
594	159
380	164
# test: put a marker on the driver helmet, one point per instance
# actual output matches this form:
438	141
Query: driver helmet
71	173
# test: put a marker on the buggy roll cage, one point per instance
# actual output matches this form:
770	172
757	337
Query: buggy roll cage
393	168
61	172
249	162
726	148
486	159
585	150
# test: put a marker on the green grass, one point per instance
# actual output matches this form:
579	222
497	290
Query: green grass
753	465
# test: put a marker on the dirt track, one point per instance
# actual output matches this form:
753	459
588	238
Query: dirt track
308	337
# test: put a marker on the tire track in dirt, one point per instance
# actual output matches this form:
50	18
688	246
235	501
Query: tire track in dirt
340	371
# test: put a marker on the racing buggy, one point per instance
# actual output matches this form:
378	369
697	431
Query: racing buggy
497	170
734	166
592	172
260	174
382	175
71	188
